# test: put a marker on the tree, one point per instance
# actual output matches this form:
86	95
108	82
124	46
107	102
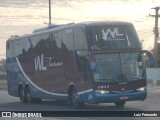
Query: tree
3	65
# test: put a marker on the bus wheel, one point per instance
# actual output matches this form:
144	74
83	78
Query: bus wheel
22	95
28	95
75	100
120	103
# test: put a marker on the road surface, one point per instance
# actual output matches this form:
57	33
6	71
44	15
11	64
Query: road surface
152	103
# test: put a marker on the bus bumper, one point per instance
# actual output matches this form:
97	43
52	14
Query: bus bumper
95	97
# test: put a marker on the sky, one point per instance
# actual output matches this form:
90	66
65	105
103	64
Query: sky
19	17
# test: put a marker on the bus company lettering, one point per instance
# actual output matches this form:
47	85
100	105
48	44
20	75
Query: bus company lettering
103	86
40	60
113	33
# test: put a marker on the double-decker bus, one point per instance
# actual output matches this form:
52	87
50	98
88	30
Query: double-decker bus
91	62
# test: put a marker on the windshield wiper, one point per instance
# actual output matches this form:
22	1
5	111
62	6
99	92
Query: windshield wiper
134	78
111	80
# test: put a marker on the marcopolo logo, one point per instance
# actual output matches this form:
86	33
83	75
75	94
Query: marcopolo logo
42	63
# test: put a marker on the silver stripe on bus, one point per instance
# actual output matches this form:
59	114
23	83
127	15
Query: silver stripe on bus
86	91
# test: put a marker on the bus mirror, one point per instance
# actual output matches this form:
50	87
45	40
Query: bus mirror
151	62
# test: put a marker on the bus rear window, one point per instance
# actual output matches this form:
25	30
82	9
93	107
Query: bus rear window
112	37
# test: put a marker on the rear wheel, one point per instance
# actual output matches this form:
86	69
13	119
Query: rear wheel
120	103
22	95
74	99
29	97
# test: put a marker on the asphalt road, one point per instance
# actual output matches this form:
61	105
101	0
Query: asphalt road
152	103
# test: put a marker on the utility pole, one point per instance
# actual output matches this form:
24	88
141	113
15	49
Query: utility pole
156	34
50	13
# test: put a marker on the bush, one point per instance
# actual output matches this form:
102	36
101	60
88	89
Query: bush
158	82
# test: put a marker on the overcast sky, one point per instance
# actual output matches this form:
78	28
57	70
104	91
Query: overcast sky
23	16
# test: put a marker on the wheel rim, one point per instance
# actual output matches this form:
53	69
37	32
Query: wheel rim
29	99
21	94
74	97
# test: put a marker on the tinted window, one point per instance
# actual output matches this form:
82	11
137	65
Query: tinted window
112	37
118	67
67	39
80	39
11	51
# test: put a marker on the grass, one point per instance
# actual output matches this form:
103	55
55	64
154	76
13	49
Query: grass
3	84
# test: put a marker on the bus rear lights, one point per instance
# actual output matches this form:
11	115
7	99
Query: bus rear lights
141	89
102	91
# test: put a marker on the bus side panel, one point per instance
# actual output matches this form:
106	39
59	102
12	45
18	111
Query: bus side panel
45	71
72	74
16	76
83	86
12	76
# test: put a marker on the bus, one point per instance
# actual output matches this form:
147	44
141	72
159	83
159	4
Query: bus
89	62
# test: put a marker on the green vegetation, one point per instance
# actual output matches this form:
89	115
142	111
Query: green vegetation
3	69
3	84
3	65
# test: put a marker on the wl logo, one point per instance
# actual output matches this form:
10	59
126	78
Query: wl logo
39	63
49	62
113	33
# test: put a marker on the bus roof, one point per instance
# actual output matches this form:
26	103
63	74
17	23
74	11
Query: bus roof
65	26
100	23
94	23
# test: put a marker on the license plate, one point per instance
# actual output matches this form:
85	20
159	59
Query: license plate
124	98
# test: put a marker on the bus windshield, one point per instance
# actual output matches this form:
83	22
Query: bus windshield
112	37
118	67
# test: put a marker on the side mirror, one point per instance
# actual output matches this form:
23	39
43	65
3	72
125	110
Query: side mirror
150	58
93	66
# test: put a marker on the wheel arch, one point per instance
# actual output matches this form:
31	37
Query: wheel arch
70	87
20	87
27	86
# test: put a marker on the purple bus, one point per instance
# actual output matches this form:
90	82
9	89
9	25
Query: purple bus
92	62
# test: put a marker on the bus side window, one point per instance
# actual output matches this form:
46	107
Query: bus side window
11	51
8	49
67	39
80	41
81	53
18	49
25	46
56	41
8	45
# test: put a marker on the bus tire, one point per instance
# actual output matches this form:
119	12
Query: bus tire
22	95
36	100
120	103
29	95
74	99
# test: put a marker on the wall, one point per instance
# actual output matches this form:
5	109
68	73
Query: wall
153	74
